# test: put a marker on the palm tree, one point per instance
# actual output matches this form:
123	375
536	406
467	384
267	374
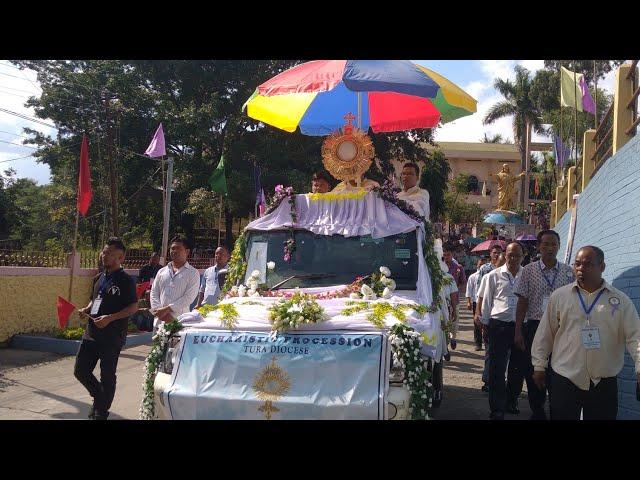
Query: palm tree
497	138
518	102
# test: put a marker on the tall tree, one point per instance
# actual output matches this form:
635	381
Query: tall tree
434	178
497	138
518	103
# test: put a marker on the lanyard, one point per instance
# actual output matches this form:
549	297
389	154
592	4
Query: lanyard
587	311
551	284
105	284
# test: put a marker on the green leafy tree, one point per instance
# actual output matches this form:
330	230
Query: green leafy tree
434	178
518	103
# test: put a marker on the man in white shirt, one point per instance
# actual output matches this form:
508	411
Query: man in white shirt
411	193
585	329
499	313
472	298
210	286
176	285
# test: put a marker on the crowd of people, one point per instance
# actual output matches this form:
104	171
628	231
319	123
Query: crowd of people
563	330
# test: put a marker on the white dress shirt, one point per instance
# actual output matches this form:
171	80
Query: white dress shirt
498	299
418	198
472	287
177	290
209	286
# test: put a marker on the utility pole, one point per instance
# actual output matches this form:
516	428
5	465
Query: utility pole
167	210
527	165
112	172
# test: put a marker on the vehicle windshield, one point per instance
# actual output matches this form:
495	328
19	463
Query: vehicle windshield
345	258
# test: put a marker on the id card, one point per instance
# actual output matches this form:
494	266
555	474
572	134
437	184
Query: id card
95	306
545	302
512	302
590	338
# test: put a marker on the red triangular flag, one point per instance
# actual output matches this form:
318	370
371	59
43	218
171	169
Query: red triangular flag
141	288
84	179
65	309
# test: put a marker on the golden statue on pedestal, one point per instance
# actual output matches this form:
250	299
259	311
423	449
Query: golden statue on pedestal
506	188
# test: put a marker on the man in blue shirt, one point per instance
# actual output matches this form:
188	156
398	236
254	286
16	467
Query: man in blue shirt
210	286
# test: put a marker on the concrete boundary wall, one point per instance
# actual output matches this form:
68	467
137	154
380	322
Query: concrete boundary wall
608	217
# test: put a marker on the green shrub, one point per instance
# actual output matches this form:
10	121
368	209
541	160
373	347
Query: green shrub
70	333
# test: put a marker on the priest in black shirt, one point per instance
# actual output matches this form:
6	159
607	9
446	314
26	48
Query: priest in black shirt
113	301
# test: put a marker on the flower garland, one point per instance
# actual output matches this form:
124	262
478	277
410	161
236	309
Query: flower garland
229	316
291	313
380	310
152	364
237	265
405	347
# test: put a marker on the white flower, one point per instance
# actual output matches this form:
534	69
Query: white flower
242	290
255	294
355	296
366	290
385	271
391	284
271	265
294	308
255	274
386	293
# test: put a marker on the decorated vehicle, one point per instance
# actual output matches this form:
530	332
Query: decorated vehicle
332	311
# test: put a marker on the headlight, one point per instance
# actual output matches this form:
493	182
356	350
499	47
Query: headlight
170	354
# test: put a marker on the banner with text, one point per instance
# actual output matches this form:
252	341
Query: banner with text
235	375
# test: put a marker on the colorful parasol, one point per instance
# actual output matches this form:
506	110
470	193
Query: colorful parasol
489	244
386	95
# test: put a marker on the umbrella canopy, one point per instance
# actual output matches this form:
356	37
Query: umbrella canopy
527	238
504	217
386	95
489	244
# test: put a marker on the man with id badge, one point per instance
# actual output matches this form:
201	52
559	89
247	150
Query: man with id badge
585	329
499	313
533	289
113	301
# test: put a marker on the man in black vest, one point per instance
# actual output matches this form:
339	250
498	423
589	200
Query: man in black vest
113	301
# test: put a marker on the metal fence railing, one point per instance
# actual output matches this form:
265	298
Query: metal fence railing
26	258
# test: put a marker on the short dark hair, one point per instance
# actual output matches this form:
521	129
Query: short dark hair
414	166
181	239
548	232
224	247
498	246
447	248
321	175
116	243
599	253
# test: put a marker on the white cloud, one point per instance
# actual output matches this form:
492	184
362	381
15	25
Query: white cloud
15	88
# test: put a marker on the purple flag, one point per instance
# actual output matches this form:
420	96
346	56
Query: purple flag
588	105
560	151
156	147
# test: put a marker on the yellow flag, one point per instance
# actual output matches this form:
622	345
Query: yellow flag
569	88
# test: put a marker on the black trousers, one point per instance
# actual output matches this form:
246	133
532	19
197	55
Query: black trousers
536	396
87	358
501	352
600	402
477	331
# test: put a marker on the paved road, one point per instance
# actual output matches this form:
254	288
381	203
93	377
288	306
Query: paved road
36	385
462	398
41	386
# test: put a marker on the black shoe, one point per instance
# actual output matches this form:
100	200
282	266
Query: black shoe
454	344
447	357
92	412
513	409
100	415
485	388
478	348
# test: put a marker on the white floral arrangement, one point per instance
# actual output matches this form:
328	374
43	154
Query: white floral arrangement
405	347
381	286
152	364
290	313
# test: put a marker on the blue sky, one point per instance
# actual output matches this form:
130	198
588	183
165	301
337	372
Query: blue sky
474	76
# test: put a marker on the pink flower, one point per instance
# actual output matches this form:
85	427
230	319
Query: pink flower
279	189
